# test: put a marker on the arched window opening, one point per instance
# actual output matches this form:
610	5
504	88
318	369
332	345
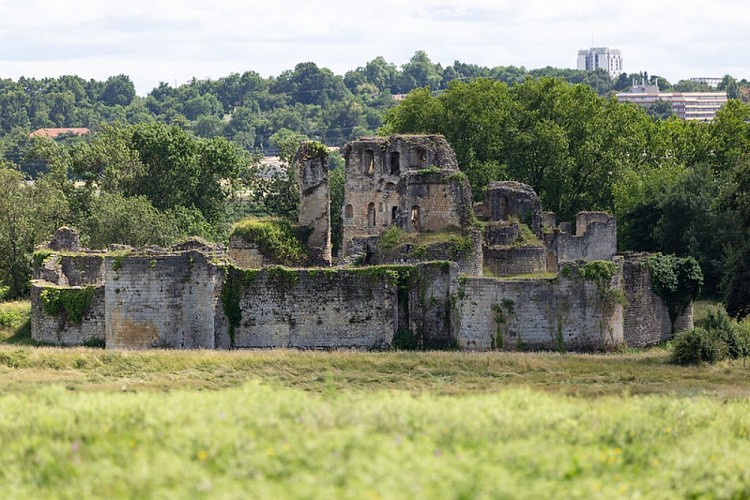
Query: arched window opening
369	162
371	215
395	163
503	207
415	220
394	214
349	211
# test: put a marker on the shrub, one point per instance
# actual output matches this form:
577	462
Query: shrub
11	319
391	238
698	346
721	326
405	340
276	239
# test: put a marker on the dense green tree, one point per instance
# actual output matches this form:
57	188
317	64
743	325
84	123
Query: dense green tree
730	86
29	214
564	140
181	170
420	71
118	90
128	221
660	110
308	84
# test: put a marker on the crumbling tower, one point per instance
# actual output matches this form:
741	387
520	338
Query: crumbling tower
311	166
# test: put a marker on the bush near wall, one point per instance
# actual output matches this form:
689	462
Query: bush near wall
277	239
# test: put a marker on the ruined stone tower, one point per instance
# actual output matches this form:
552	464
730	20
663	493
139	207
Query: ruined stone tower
411	181
311	166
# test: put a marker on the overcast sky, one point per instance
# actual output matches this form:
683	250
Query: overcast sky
175	40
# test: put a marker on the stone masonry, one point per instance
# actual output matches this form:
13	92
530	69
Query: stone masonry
429	289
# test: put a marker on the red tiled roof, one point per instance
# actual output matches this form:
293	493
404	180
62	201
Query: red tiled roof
55	132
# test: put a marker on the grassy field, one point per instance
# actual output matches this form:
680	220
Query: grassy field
80	423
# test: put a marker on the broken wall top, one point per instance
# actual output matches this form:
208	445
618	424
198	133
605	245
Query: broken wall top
399	153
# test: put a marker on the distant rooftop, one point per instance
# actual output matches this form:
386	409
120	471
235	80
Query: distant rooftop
53	133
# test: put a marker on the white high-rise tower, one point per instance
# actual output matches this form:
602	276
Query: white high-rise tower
610	60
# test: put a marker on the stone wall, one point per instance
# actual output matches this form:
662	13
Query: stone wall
57	329
505	199
595	238
71	269
465	249
246	254
514	260
187	299
500	233
646	317
555	314
432	201
161	301
68	271
428	303
311	309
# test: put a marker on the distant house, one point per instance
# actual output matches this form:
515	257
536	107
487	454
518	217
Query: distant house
54	133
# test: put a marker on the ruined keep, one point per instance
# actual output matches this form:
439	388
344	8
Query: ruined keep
421	266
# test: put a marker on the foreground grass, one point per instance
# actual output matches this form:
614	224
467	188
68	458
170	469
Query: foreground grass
82	423
270	442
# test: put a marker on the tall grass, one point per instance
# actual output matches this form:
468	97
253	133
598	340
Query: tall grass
269	442
84	423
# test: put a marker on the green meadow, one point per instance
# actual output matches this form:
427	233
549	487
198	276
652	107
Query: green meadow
82	423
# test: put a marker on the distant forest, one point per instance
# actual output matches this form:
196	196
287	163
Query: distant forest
249	109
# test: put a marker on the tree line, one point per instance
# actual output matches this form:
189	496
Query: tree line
248	109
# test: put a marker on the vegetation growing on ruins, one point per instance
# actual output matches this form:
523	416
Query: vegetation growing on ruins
315	149
598	271
71	304
39	257
454	241
231	293
526	237
277	240
676	280
501	313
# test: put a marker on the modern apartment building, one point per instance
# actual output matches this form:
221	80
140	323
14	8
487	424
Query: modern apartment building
610	60
701	106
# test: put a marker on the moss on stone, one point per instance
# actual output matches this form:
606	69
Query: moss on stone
231	294
457	244
314	149
598	270
282	277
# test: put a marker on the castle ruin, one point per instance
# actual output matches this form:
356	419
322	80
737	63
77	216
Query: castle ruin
421	266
